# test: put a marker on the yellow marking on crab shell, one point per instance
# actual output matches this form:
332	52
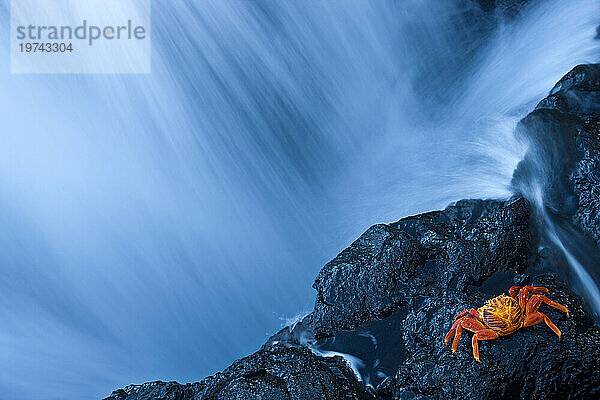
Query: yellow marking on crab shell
502	314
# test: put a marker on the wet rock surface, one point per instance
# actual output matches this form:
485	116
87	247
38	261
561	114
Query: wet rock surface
564	156
279	371
390	297
529	364
461	271
578	95
423	255
422	270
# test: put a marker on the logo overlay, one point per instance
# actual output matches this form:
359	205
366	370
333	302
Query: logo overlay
75	36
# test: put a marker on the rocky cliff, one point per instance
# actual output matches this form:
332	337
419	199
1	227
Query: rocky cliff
392	295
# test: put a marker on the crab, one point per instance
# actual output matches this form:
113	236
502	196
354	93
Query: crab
503	315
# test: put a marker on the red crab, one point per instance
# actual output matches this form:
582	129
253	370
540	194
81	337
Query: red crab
503	315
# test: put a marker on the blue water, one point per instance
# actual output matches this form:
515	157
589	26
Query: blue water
160	226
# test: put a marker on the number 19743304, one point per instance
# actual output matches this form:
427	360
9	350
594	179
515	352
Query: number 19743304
46	47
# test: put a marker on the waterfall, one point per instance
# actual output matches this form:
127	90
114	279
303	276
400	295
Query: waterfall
160	226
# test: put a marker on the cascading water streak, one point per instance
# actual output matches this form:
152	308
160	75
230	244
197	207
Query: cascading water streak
583	277
160	226
590	287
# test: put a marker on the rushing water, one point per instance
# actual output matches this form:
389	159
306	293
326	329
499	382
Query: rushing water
160	226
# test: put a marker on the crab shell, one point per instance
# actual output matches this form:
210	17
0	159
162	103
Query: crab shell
502	314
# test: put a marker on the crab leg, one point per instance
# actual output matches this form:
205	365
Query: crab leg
533	317
480	332
472	312
525	291
457	336
537	317
485	334
536	289
554	304
461	314
531	289
536	301
452	331
512	292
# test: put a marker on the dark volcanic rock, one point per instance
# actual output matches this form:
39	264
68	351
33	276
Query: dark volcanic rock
434	265
423	269
422	255
577	93
563	162
529	364
276	372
